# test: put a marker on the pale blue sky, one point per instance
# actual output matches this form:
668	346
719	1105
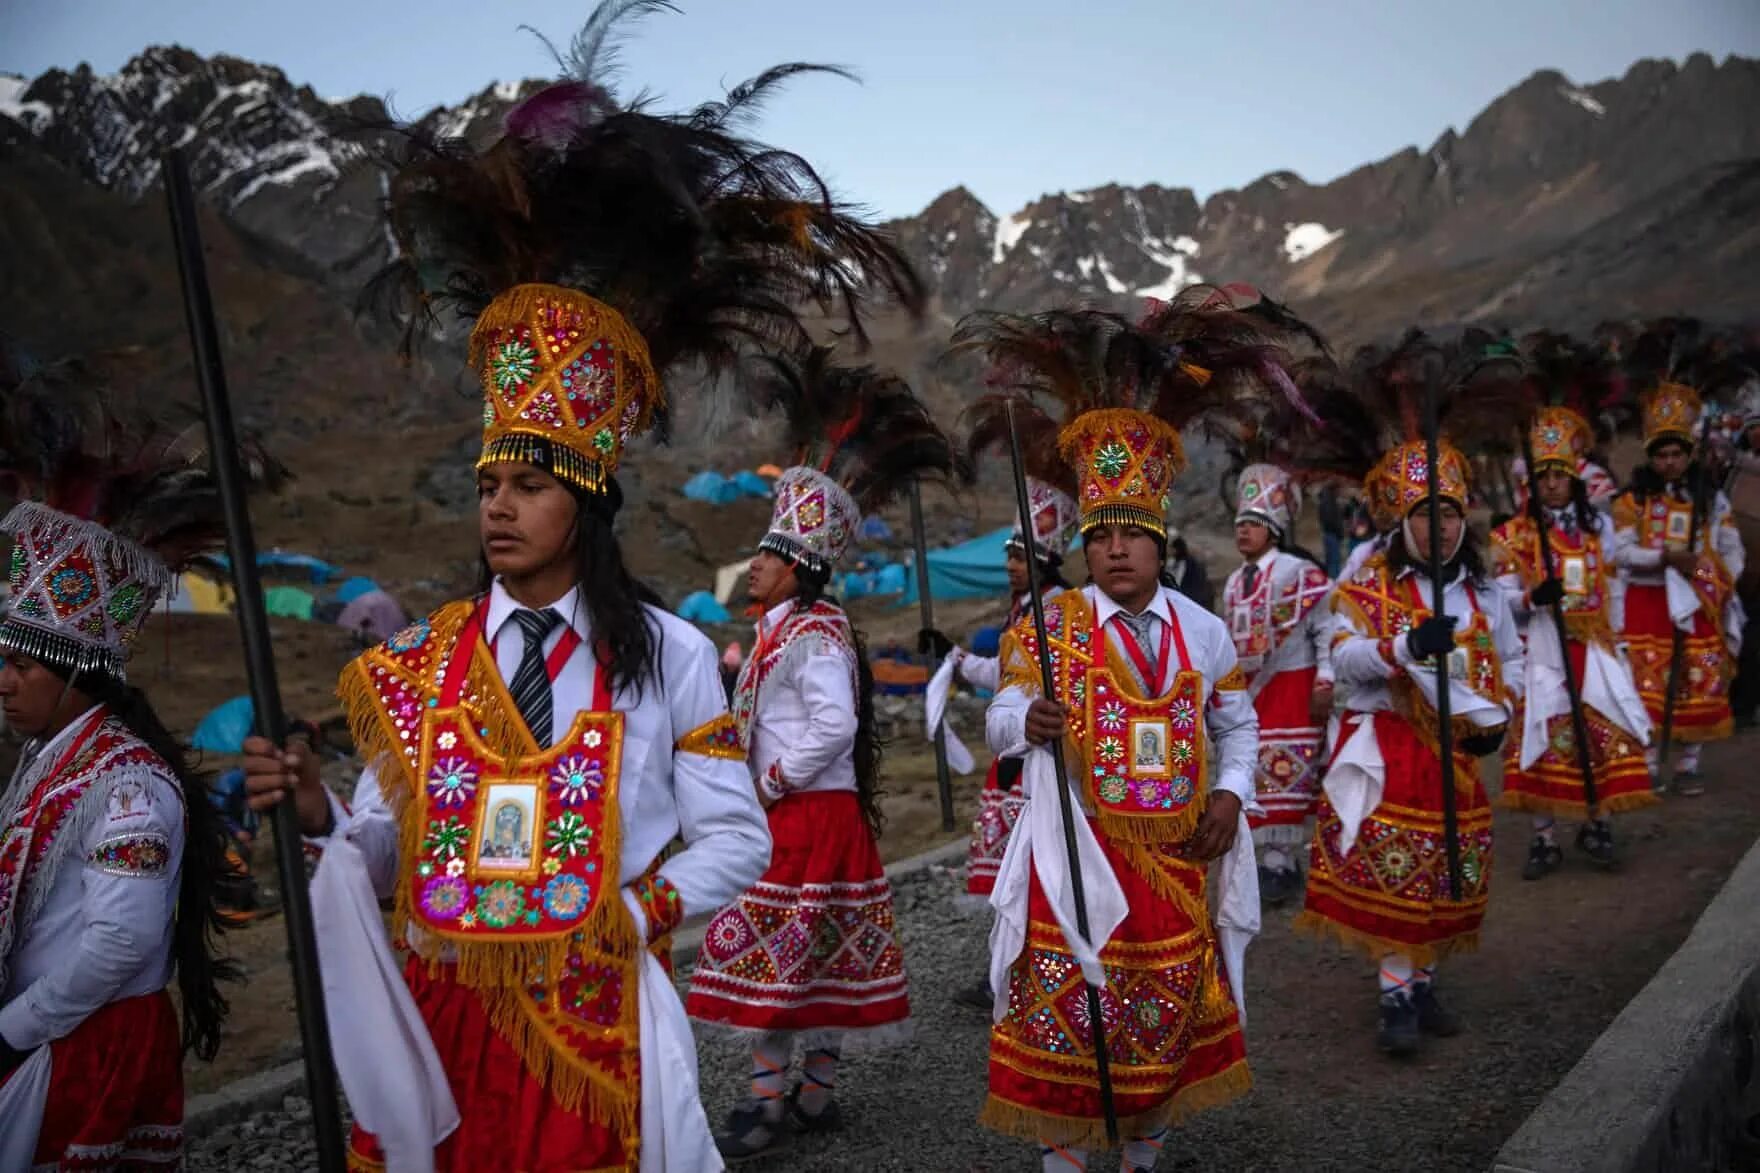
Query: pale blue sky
1010	97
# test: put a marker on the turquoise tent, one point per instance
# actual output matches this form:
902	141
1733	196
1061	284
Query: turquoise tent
354	588
224	729
701	607
751	484
711	486
970	570
289	601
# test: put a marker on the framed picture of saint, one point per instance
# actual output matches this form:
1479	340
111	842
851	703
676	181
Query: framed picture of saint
509	829
1149	744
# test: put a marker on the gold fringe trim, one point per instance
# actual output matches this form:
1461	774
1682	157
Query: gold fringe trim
574	1084
1148	866
1378	947
1721	731
1565	808
1123	828
1226	1086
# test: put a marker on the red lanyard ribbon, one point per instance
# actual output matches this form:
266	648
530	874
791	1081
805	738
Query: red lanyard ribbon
553	663
1170	636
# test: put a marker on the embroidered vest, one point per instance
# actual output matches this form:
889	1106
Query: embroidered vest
509	853
1579	562
1259	622
1386	608
1142	759
822	620
1663	523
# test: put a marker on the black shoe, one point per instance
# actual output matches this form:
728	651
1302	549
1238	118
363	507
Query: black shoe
1433	1017
1278	885
977	996
826	1119
1544	856
1595	840
748	1133
1688	784
1398	1032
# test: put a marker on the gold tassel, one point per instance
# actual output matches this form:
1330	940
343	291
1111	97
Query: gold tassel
1377	947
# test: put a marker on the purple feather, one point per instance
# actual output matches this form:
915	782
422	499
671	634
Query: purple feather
1274	371
555	115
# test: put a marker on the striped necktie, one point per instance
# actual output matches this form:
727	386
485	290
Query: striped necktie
1143	628
531	683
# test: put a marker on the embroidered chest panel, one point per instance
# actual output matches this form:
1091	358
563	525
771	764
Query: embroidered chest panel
822	620
1282	597
1384	608
1581	563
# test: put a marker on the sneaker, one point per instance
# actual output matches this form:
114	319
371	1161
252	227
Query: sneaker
826	1119
1544	856
1595	840
750	1133
1397	1033
978	996
1433	1017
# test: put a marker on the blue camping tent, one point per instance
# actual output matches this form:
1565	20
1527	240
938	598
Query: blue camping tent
353	588
874	529
317	569
701	607
970	570
224	729
710	486
751	484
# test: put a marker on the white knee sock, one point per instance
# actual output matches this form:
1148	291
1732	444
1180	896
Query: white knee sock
1142	1152
1543	825
1053	1159
770	1058
1396	974
818	1079
1689	762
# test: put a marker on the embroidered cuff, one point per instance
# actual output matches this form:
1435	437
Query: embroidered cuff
717	738
660	904
131	855
771	782
1234	681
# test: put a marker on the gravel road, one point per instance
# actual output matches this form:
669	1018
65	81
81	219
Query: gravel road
1560	959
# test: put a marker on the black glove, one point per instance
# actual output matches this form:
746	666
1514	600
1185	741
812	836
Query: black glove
1547	593
932	643
1432	637
1483	745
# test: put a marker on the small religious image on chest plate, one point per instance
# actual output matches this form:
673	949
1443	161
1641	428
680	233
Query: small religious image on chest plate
1149	748
509	828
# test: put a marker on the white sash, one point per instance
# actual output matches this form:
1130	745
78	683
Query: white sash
959	758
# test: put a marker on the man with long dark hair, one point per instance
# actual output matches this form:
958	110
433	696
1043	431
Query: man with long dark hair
109	848
1542	773
810	953
1275	605
1673	588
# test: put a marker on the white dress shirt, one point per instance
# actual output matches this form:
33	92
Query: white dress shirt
805	720
1229	717
102	934
662	794
1306	641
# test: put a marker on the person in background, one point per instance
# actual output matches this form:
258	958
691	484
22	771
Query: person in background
1334	528
1185	573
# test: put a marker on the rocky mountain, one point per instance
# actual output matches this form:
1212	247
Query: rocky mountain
1559	202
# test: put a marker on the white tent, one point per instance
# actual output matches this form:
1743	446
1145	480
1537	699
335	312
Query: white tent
729	579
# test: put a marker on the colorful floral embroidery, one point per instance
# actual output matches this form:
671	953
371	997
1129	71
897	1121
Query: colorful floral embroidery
144	854
577	779
452	781
566	897
660	903
716	738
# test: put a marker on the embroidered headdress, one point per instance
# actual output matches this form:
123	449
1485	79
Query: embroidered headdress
860	436
1580	391
600	247
109	509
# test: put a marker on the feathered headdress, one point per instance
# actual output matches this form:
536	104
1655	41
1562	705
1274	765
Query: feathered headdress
1129	390
860	437
1051	482
111	505
599	246
1580	400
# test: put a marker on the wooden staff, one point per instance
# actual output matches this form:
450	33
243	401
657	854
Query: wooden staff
1439	608
943	779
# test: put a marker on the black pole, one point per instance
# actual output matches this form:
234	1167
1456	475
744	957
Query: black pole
1678	638
1102	1062
1439	608
1579	722
943	780
253	625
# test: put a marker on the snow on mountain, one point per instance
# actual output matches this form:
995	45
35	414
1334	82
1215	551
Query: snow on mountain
1301	241
1582	98
33	116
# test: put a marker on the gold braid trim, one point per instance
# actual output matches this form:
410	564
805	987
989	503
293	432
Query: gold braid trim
1009	1119
1377	947
500	971
1564	808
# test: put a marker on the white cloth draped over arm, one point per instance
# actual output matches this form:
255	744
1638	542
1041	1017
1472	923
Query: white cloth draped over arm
959	758
127	908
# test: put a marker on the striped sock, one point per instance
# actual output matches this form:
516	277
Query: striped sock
818	1079
1142	1152
1055	1159
1423	975
770	1073
1396	975
1543	825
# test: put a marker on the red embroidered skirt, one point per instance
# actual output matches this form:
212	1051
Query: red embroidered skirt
1390	893
1554	783
1290	765
1172	1031
507	1121
811	946
999	805
1701	707
116	1091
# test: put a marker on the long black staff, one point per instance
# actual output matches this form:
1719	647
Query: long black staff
253	625
1579	722
1102	1064
1678	638
1438	608
943	780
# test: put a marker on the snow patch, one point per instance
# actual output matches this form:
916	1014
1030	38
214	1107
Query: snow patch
1177	255
507	91
33	116
312	161
1581	98
1279	182
1302	241
1008	230
1078	197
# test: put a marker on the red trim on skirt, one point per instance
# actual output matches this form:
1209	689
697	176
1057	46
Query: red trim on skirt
116	1090
1290	766
1701	710
1390	893
999	806
507	1120
1554	783
813	944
